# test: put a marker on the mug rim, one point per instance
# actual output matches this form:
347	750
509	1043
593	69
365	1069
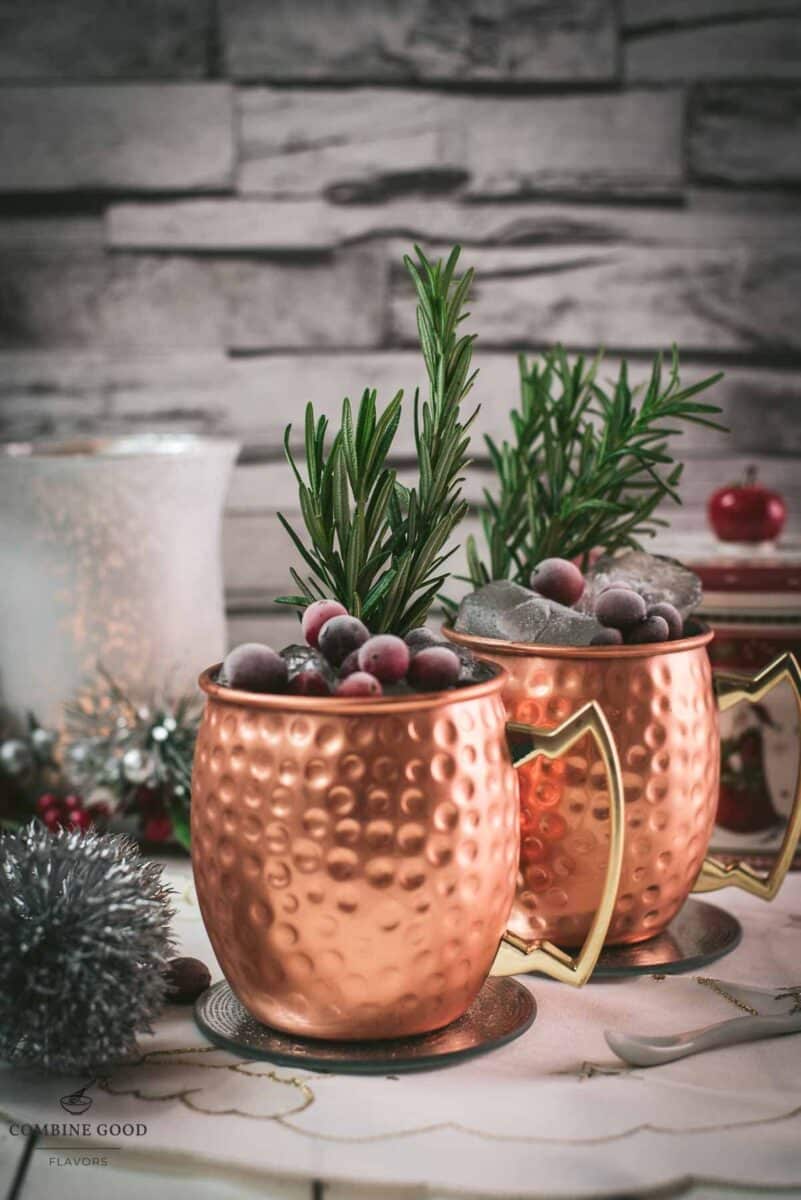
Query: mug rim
493	646
351	705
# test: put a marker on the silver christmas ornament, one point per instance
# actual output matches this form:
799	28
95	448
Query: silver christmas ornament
43	742
15	757
159	733
78	754
137	766
84	939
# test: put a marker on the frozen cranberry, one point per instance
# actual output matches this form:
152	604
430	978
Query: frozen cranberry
350	665
607	637
316	615
359	684
385	656
652	629
309	682
620	608
255	668
559	580
421	638
670	614
340	636
434	669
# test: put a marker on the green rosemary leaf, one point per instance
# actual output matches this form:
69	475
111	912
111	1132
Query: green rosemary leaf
374	544
294	601
349	454
588	465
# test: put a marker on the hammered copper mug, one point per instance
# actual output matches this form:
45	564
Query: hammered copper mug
662	706
355	859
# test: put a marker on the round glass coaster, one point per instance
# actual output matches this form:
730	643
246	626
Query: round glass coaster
697	936
502	1011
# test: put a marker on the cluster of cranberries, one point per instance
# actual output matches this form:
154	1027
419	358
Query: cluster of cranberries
70	812
344	659
622	611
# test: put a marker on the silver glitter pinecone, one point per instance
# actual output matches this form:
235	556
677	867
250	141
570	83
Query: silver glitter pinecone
84	938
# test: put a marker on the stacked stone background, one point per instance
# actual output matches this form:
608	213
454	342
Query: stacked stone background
204	203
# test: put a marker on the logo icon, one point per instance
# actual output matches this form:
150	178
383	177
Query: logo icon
77	1102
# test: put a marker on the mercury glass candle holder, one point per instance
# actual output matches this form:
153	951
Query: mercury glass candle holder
109	556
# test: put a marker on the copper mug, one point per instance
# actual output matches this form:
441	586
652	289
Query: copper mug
663	707
356	859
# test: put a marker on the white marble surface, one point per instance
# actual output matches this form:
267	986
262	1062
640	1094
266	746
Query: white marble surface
554	1114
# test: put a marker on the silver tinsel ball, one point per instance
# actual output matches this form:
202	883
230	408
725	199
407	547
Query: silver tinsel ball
84	938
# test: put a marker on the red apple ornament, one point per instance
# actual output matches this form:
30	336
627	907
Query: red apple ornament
747	512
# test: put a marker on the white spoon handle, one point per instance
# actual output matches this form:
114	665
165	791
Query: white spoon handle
649	1052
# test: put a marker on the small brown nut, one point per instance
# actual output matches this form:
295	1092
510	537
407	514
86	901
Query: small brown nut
186	979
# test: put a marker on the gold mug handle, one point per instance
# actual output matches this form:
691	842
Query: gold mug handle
730	690
515	955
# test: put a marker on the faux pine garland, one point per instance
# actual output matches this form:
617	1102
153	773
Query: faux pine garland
376	546
586	466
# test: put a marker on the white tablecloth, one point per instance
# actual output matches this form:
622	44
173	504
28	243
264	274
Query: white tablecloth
553	1114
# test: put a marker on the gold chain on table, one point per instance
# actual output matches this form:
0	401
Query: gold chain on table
721	991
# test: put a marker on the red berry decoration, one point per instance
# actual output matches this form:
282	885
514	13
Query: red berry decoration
46	800
100	812
434	669
340	636
385	656
747	512
316	615
559	580
359	684
620	608
652	629
157	829
255	668
670	614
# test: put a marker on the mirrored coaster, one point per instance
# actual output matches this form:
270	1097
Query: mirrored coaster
502	1011
697	936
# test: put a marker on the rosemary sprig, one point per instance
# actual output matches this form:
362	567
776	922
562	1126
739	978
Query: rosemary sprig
371	543
586	468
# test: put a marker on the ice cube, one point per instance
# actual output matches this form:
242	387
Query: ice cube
481	612
301	658
516	614
473	670
656	577
566	627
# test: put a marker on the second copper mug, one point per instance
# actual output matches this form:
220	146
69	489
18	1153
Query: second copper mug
663	708
355	859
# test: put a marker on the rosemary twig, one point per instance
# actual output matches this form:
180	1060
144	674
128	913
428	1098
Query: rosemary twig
376	546
586	467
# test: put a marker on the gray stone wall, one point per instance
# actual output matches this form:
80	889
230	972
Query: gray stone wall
203	206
